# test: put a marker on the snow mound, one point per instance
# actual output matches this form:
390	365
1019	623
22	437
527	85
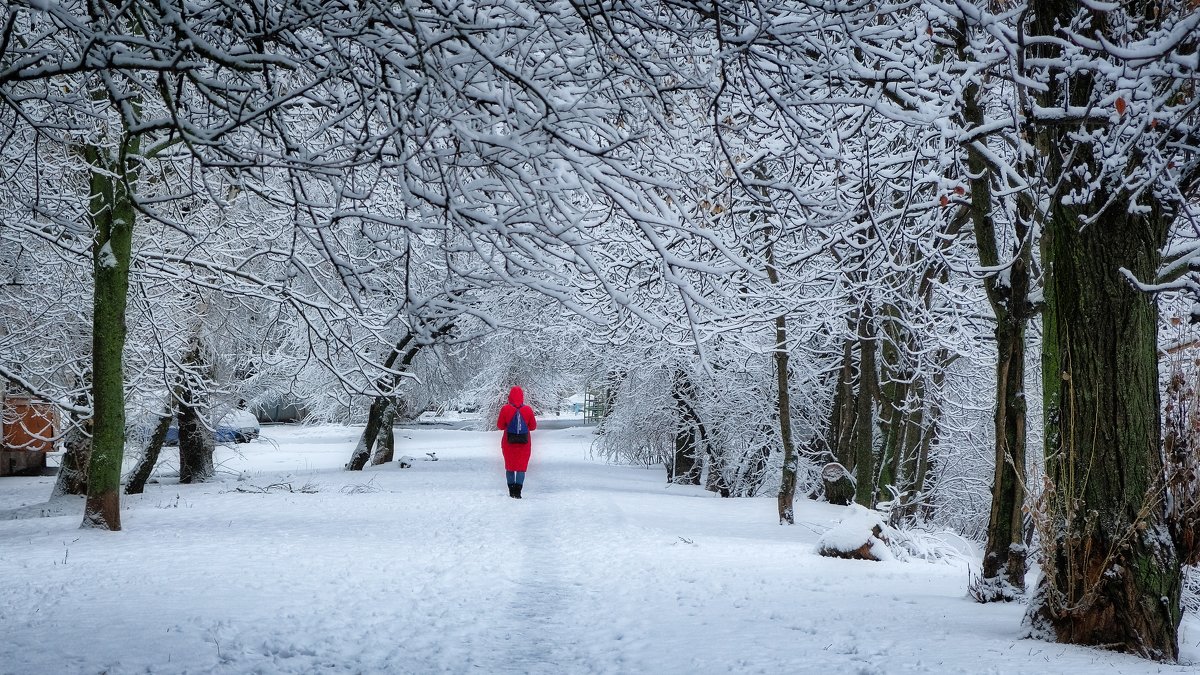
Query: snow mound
859	536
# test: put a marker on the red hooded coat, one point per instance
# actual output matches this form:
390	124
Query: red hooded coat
516	457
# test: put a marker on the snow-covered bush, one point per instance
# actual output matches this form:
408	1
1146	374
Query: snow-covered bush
864	533
724	417
639	426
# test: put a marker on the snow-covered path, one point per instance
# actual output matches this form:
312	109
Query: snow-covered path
600	569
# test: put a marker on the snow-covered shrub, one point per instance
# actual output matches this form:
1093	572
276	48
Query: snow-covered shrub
728	412
922	542
543	369
639	427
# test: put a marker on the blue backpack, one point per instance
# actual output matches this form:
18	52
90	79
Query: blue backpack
517	431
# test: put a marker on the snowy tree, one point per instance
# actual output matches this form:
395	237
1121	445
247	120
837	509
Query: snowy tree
364	122
1116	141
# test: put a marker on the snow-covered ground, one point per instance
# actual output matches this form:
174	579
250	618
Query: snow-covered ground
291	565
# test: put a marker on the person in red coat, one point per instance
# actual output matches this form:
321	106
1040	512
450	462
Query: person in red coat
516	446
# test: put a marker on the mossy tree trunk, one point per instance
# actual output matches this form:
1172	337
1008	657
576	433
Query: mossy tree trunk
1111	574
894	406
1004	560
112	219
863	439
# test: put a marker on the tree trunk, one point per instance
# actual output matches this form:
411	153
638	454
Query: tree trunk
787	484
893	399
927	434
136	483
370	434
716	480
841	423
72	472
385	446
196	441
685	470
686	467
382	414
1112	576
787	481
863	444
1004	560
112	216
895	410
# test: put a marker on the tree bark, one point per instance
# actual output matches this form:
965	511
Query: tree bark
112	215
1004	560
72	472
370	434
841	423
787	483
385	446
863	443
927	434
685	470
689	435
1112	576
196	441
716	480
136	483
898	419
382	414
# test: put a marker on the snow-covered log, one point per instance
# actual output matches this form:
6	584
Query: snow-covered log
860	536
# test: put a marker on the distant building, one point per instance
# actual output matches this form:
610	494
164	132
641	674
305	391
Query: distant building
28	429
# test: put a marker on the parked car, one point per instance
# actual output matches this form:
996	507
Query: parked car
237	426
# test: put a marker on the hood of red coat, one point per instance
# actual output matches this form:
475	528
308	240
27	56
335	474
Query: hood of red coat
516	396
